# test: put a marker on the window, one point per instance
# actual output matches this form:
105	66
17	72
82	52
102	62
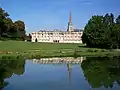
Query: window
51	33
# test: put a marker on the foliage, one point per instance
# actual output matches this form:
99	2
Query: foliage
102	32
8	68
101	71
28	38
9	29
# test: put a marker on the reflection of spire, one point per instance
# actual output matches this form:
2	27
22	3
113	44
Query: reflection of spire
70	71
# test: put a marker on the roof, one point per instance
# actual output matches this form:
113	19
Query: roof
58	30
78	30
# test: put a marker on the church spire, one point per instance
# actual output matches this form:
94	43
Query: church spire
70	26
70	20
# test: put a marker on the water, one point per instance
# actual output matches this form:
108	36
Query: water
83	73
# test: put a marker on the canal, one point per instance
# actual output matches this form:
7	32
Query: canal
67	73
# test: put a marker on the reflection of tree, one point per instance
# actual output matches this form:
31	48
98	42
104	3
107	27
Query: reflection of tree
102	71
9	67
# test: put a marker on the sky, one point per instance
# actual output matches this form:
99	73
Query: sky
54	14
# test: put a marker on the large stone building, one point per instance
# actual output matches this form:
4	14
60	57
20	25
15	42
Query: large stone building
70	36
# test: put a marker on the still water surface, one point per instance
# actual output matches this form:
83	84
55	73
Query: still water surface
83	73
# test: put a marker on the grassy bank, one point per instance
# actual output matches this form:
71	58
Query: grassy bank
38	50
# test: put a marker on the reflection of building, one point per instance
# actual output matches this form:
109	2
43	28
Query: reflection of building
59	60
70	36
68	60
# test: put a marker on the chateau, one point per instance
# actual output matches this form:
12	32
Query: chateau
56	36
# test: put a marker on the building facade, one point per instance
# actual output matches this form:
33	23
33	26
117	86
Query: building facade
56	36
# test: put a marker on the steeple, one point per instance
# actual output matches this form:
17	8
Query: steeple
70	20
70	26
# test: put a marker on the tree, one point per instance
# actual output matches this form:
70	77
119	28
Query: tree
102	32
20	27
109	27
93	34
10	29
118	29
3	16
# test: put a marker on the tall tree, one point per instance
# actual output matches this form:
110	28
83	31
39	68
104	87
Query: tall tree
3	16
102	32
110	31
8	26
117	28
93	34
10	29
20	27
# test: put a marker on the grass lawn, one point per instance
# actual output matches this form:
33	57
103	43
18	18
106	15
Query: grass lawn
21	46
32	50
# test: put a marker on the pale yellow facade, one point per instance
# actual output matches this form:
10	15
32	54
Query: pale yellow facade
57	36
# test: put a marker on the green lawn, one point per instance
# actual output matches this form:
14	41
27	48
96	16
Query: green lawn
21	46
29	49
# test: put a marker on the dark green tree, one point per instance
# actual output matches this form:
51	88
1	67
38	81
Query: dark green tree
93	34
3	16
102	32
20	27
117	28
10	29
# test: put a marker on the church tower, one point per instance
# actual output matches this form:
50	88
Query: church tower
70	25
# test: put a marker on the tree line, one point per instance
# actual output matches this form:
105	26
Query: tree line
102	32
11	30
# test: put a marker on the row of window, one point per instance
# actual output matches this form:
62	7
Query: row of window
58	37
57	34
62	40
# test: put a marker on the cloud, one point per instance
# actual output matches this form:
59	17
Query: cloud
85	1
